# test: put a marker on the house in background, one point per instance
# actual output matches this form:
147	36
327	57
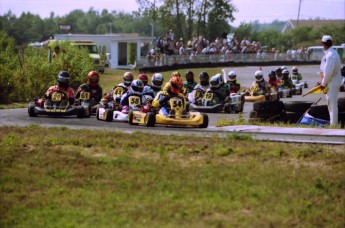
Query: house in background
292	24
123	48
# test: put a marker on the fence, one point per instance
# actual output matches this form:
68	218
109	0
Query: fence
169	60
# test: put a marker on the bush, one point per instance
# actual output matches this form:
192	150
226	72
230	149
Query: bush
29	74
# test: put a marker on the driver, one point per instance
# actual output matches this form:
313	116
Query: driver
219	88
233	82
155	86
273	80
127	80
173	90
135	89
259	86
91	86
189	84
286	81
62	84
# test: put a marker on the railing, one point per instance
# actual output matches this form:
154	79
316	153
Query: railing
169	60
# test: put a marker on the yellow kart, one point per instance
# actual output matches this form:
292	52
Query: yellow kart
177	116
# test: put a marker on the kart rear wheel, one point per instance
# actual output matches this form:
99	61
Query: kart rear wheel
130	118
205	121
80	112
108	115
150	119
31	109
97	113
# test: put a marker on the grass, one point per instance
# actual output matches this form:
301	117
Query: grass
57	177
13	105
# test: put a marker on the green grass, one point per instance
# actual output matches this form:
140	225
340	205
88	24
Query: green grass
13	105
57	177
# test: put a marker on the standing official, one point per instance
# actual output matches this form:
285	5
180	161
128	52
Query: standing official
331	77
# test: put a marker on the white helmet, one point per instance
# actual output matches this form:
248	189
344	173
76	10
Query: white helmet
216	81
157	80
137	87
259	76
294	70
232	76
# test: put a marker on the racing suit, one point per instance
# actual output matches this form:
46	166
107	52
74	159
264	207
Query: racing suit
286	83
96	92
222	93
234	86
259	88
69	91
189	86
330	67
274	84
162	101
198	87
124	102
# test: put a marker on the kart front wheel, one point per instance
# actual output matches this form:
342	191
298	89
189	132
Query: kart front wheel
31	109
150	120
108	115
205	121
80	112
130	118
97	113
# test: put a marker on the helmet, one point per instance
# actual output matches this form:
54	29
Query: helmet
204	78
272	74
93	78
216	81
294	70
175	73
285	74
259	76
190	76
176	85
283	67
137	86
157	81
279	72
63	79
232	76
143	78
127	78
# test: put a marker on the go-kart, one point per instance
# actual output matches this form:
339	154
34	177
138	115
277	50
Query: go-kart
56	104
89	104
285	92
209	102
109	114
177	116
257	95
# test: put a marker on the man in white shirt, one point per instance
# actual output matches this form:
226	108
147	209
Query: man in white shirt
331	78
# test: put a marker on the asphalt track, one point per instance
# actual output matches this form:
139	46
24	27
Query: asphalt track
20	117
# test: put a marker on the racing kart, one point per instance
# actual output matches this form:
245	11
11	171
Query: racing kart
258	95
108	114
177	116
56	104
208	102
89	104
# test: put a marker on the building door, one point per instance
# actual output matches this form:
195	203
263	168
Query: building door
122	54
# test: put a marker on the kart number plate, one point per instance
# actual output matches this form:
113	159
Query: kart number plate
134	101
176	104
208	96
56	96
85	95
118	91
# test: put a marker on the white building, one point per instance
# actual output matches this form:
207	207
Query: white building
124	48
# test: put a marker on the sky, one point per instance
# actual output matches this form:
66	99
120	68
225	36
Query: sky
265	11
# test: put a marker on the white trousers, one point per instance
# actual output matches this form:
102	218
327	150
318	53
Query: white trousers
332	98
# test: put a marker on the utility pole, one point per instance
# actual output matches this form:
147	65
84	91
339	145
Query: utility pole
299	10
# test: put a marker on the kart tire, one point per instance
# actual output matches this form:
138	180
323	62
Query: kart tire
256	120
253	114
319	111
31	109
130	118
205	121
97	113
297	106
150	120
292	117
298	91
80	112
108	115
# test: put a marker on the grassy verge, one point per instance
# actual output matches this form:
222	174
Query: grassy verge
57	177
13	105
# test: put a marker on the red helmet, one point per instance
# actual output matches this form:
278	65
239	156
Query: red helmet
128	78
93	78
144	78
176	84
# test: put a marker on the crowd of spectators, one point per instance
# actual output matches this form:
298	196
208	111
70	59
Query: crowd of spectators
227	46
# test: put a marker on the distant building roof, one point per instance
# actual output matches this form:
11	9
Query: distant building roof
292	24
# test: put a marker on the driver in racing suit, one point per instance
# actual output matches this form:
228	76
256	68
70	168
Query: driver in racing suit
136	89
259	86
162	98
233	82
219	88
63	85
92	87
